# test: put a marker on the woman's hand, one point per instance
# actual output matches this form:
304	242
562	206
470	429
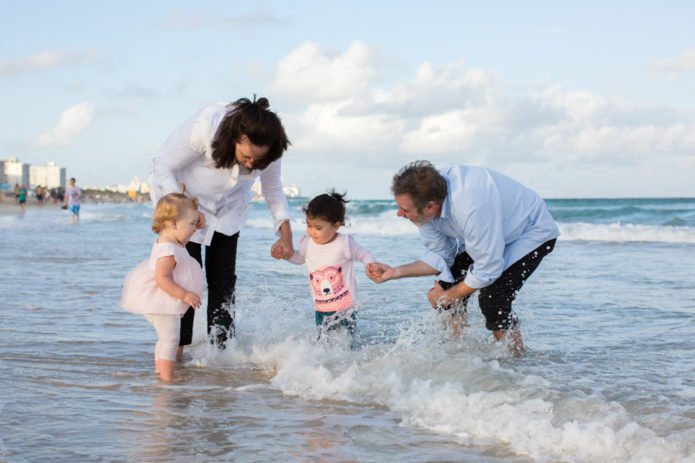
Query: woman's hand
200	224
282	249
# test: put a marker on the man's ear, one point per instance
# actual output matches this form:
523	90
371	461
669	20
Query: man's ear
432	209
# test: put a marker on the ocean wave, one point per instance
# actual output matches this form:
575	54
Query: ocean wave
386	224
459	392
617	232
626	233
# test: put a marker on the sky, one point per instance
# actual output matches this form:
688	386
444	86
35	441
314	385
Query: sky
573	99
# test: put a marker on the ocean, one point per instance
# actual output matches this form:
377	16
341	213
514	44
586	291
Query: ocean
608	375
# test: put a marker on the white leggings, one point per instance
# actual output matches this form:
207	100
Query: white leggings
168	329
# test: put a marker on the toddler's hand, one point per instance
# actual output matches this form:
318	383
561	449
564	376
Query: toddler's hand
191	299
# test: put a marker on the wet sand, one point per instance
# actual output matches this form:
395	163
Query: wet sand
9	205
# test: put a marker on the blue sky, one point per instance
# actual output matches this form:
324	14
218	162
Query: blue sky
574	100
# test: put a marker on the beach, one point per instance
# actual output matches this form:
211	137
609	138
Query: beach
608	375
9	205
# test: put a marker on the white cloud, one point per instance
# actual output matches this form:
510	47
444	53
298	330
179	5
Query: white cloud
453	113
325	128
310	74
593	128
45	60
71	122
671	68
451	131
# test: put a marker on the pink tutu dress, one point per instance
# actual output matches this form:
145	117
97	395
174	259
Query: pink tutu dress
141	295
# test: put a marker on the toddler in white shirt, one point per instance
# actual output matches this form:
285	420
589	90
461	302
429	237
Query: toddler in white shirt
329	257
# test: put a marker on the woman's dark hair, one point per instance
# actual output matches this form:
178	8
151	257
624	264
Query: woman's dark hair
328	206
258	123
422	182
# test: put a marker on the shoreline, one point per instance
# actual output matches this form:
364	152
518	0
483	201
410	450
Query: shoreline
9	206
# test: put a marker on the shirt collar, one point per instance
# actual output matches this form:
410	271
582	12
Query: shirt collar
446	209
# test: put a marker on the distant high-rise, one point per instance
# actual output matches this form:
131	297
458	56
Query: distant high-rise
49	176
15	172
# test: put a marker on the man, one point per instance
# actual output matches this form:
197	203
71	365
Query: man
73	195
482	230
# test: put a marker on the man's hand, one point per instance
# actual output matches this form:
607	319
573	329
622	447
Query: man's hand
378	272
438	297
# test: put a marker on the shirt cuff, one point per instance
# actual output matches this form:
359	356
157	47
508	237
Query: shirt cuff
438	263
277	223
476	283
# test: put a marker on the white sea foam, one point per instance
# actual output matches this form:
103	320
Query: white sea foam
467	389
389	225
446	390
627	232
386	224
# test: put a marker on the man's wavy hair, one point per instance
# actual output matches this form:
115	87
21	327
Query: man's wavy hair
422	182
258	123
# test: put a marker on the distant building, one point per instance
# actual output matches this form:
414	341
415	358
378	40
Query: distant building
48	176
138	186
135	185
291	191
15	172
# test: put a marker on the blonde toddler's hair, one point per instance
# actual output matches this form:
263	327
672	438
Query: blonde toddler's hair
172	207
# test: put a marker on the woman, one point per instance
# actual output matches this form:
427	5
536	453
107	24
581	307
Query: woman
217	154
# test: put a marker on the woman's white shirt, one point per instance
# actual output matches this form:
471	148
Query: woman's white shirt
224	195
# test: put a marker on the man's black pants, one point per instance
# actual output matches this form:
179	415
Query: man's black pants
496	300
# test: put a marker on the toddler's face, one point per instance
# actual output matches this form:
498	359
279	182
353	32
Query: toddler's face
321	231
186	226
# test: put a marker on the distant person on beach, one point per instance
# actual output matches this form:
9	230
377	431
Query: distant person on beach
329	257
218	153
482	231
73	195
163	287
22	196
40	195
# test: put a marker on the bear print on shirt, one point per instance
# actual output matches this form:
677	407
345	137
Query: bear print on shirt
330	292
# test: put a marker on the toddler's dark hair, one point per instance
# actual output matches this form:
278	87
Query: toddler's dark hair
328	206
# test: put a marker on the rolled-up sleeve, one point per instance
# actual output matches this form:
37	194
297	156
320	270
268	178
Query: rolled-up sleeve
484	238
177	151
440	250
271	183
